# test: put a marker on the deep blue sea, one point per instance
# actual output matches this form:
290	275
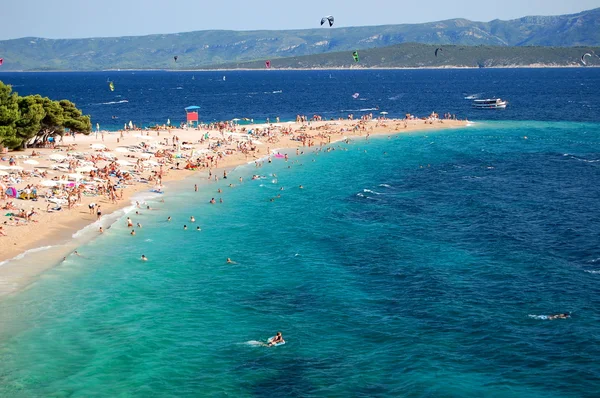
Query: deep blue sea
411	265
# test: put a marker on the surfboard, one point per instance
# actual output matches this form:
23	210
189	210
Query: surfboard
275	345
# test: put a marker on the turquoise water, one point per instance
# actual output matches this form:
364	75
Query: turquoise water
409	265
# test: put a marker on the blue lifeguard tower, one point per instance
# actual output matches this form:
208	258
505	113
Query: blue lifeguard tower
192	115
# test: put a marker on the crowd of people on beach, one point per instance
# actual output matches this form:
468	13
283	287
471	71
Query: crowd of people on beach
60	177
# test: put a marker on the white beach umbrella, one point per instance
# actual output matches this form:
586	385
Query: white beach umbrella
31	161
130	124
145	155
85	169
48	183
57	156
121	149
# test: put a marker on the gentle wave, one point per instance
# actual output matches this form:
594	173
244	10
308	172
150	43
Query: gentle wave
22	255
592	271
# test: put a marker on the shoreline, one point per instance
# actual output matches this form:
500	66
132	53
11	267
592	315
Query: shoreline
444	67
63	231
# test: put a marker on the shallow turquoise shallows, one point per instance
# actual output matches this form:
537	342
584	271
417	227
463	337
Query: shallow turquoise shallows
411	265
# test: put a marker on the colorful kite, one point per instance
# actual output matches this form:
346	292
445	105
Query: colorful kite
355	56
268	64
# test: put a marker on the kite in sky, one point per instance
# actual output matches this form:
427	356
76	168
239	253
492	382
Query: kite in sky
355	56
582	58
268	64
329	19
436	51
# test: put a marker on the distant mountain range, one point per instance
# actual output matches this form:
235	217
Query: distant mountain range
203	48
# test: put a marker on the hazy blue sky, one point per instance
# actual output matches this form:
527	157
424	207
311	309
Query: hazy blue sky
96	18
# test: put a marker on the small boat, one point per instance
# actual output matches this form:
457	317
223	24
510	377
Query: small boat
493	103
224	78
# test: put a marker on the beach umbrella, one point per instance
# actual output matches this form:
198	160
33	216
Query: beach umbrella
85	169
31	161
12	192
145	155
121	149
48	183
383	113
130	124
57	156
75	176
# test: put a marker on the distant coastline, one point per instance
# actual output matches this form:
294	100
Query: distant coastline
447	67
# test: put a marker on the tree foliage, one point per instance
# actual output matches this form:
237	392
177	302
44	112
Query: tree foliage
32	119
9	114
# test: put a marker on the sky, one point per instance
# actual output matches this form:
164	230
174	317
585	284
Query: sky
62	19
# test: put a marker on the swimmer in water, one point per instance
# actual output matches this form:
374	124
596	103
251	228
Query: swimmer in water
132	233
144	258
192	219
559	316
169	218
185	227
198	229
230	261
277	339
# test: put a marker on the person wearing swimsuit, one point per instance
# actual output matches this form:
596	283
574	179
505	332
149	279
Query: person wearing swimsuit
277	339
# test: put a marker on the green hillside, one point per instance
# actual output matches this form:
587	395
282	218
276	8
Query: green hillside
203	48
415	55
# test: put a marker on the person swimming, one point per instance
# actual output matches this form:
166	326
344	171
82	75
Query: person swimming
144	258
275	340
564	315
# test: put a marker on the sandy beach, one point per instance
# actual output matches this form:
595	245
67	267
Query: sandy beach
140	161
